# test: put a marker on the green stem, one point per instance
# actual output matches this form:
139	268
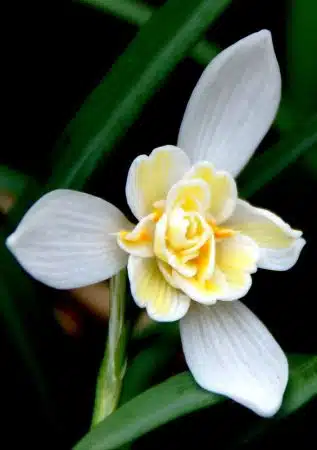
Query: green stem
113	365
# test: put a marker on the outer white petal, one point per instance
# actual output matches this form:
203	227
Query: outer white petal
150	290
233	104
230	352
280	245
281	259
151	177
66	240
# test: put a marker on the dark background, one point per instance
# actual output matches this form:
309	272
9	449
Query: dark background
55	53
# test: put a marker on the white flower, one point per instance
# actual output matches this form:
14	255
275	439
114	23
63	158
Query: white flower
196	244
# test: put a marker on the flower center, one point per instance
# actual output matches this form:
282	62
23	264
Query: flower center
186	231
180	233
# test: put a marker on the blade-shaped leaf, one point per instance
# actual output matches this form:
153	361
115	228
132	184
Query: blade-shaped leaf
175	397
302	388
180	395
16	307
146	365
137	13
114	104
264	168
302	385
302	45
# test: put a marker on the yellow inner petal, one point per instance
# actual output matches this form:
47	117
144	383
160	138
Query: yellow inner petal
139	241
135	238
220	232
191	195
206	291
152	288
222	188
152	174
205	261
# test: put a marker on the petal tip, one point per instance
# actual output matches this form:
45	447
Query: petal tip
269	409
272	403
252	371
11	241
264	34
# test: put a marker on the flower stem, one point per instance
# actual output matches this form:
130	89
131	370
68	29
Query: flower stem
113	365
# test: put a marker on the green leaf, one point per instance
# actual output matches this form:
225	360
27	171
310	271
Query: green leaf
134	12
302	385
302	65
262	169
175	397
302	47
301	388
137	13
17	306
181	395
146	365
116	102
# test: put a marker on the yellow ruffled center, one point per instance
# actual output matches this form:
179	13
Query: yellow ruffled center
180	233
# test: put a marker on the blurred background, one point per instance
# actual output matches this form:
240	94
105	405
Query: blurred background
54	54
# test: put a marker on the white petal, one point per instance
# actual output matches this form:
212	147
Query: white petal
151	177
66	240
230	352
280	245
233	104
150	290
281	259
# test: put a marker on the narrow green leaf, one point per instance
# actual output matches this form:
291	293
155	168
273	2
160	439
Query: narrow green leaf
175	397
16	306
302	48
181	395
137	13
19	336
264	168
302	65
115	103
146	365
302	385
134	12
301	388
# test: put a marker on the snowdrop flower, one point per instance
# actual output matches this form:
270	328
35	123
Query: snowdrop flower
196	244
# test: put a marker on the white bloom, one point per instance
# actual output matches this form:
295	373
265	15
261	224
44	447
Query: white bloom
196	244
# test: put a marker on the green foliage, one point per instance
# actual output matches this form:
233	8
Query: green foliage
180	395
114	104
